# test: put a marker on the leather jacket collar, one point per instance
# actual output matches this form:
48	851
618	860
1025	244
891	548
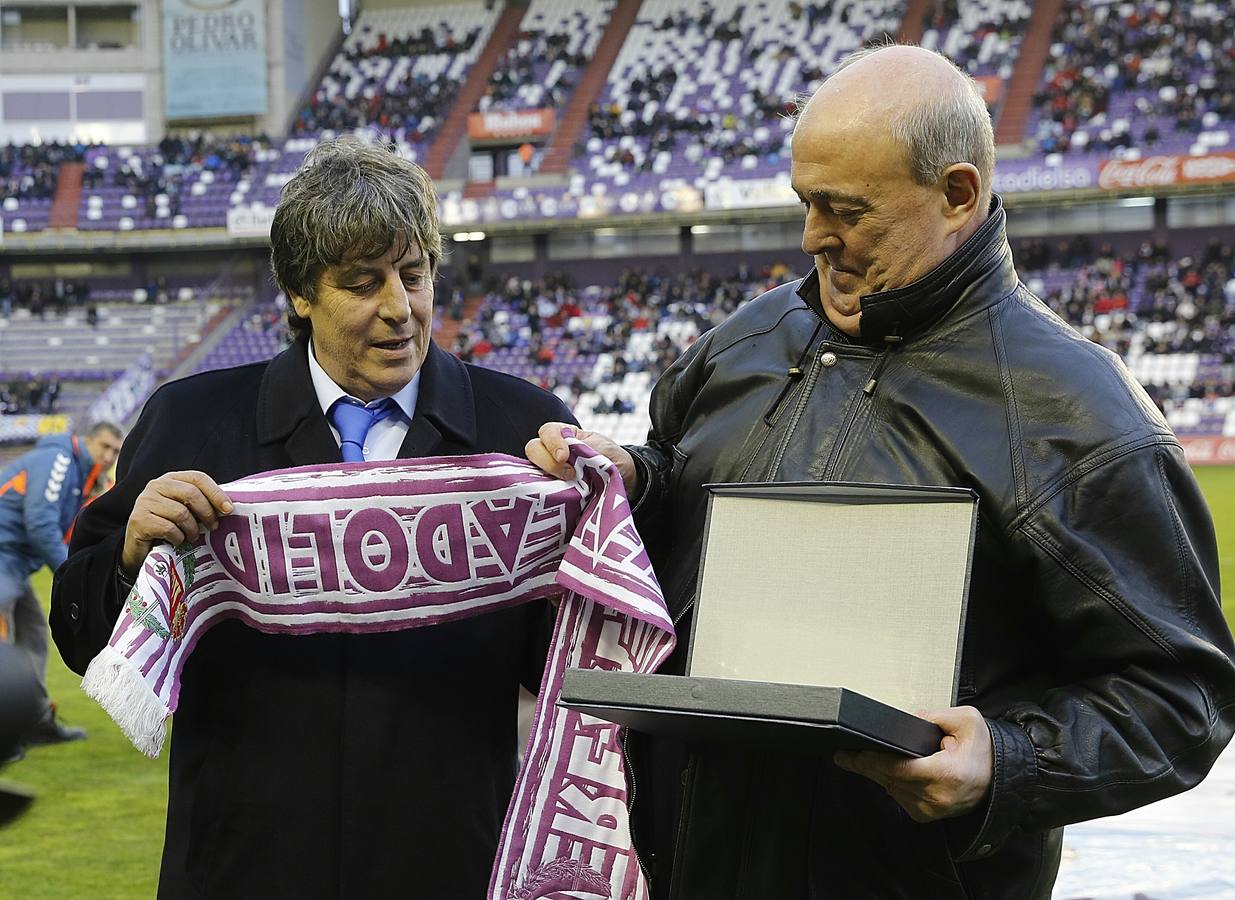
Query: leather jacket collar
985	261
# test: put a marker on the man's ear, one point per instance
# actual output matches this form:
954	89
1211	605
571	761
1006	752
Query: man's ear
962	190
299	304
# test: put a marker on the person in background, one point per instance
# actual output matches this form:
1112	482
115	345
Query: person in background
41	493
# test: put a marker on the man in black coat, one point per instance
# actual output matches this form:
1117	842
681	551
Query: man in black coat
1097	673
327	765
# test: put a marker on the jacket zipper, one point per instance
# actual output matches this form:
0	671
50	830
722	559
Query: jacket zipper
792	377
630	806
850	417
868	391
804	395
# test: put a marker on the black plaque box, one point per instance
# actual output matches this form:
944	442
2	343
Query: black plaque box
826	614
725	711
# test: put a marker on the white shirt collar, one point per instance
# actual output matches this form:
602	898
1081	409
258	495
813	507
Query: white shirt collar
328	392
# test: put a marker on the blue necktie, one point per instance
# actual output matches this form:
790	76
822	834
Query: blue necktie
353	420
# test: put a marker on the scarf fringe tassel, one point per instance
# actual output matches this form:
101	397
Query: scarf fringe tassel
113	681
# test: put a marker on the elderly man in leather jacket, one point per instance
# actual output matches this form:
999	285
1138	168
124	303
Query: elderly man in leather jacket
1097	669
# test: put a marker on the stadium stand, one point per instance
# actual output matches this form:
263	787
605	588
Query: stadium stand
557	39
983	37
693	110
72	348
696	100
600	348
1171	317
181	183
399	71
124	396
28	182
258	336
1129	78
37	394
701	90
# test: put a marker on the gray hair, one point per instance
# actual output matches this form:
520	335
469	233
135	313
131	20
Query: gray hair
350	200
954	127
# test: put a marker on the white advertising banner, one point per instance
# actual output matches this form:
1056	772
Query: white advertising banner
750	193
250	221
214	58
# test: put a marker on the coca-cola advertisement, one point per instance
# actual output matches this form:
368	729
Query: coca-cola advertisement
1158	171
1209	451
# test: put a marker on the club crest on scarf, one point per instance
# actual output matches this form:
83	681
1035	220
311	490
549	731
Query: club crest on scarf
371	547
177	573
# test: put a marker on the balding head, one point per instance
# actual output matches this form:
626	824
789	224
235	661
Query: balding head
918	99
892	158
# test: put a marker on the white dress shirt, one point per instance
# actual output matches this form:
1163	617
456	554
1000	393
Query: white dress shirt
385	437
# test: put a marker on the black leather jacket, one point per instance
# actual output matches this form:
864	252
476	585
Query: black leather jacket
1095	644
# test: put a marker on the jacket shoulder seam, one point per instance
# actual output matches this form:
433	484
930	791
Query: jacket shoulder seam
1111	599
1015	444
1090	463
755	332
1182	571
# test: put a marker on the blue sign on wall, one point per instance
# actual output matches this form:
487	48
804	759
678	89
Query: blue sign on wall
214	58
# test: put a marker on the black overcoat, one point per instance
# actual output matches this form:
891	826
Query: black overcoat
323	766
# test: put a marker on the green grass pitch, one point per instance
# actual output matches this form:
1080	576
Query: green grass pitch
96	829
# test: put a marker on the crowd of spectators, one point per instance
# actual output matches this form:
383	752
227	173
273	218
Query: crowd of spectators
425	42
724	134
55	295
704	19
1147	301
175	163
58	296
1178	57
32	395
743	127
530	61
409	108
230	157
551	321
964	36
270	320
30	171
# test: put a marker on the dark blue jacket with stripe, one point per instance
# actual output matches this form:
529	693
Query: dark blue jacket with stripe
40	493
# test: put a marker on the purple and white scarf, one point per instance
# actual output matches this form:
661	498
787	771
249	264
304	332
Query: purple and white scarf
384	546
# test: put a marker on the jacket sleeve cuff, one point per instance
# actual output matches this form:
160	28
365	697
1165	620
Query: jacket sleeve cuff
647	481
980	834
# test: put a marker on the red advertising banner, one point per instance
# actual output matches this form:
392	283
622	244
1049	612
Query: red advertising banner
510	124
1209	451
1157	171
